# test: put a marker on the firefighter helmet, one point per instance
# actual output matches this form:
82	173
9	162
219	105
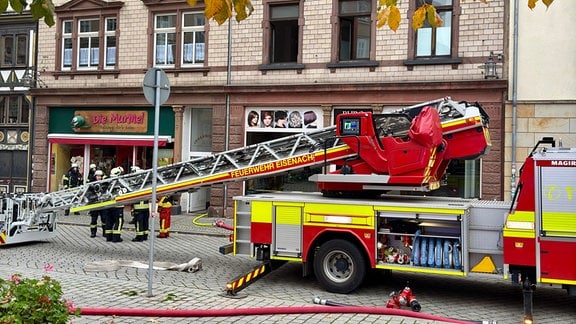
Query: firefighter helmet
135	169
115	172
99	173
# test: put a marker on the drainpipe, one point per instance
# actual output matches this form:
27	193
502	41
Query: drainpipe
32	114
514	99
227	127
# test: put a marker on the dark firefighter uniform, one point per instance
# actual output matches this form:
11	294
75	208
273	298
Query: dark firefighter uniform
141	213
72	179
115	215
97	175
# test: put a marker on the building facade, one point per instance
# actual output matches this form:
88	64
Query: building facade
542	93
290	60
17	74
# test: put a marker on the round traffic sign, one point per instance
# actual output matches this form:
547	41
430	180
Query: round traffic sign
156	78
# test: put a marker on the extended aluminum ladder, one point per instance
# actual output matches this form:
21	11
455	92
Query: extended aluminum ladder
262	159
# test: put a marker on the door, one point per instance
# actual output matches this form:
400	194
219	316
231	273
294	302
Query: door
287	222
13	170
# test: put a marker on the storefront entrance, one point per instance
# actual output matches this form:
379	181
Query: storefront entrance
105	157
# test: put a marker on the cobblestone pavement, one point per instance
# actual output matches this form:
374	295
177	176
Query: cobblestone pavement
481	298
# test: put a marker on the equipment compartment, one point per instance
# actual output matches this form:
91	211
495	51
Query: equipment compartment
420	240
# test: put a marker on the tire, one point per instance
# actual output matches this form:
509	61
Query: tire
339	266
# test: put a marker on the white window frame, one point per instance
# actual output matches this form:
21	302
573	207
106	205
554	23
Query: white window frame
198	49
66	63
93	58
110	33
429	40
166	31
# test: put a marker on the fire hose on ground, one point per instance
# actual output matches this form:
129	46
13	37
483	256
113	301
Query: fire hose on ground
344	309
218	223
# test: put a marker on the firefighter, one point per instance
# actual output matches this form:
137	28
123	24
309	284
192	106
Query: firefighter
116	215
91	171
133	169
165	211
103	213
72	179
141	216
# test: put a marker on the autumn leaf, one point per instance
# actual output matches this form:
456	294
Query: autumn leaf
431	15
212	8
394	18
439	21
224	13
532	3
191	3
547	2
243	9
418	18
382	16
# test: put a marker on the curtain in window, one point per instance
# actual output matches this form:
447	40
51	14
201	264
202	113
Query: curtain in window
67	57
94	56
164	55
111	56
83	58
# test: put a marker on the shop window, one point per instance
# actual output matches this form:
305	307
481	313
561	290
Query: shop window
189	50
355	30
462	180
200	131
14	48
14	110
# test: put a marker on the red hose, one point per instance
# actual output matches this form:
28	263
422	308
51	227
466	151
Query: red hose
223	225
262	311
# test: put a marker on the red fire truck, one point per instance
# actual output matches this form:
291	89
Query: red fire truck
338	238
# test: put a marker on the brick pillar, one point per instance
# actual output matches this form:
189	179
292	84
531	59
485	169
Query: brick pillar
177	153
235	140
39	148
178	119
326	114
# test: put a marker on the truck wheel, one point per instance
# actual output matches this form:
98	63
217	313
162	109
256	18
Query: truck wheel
339	266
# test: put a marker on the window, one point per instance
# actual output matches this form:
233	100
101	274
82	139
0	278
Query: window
191	49
110	42
82	52
200	131
193	40
355	30
14	48
14	110
88	43
436	41
165	39
284	32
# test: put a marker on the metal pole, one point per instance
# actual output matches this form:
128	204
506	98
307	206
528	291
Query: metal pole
528	292
154	180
